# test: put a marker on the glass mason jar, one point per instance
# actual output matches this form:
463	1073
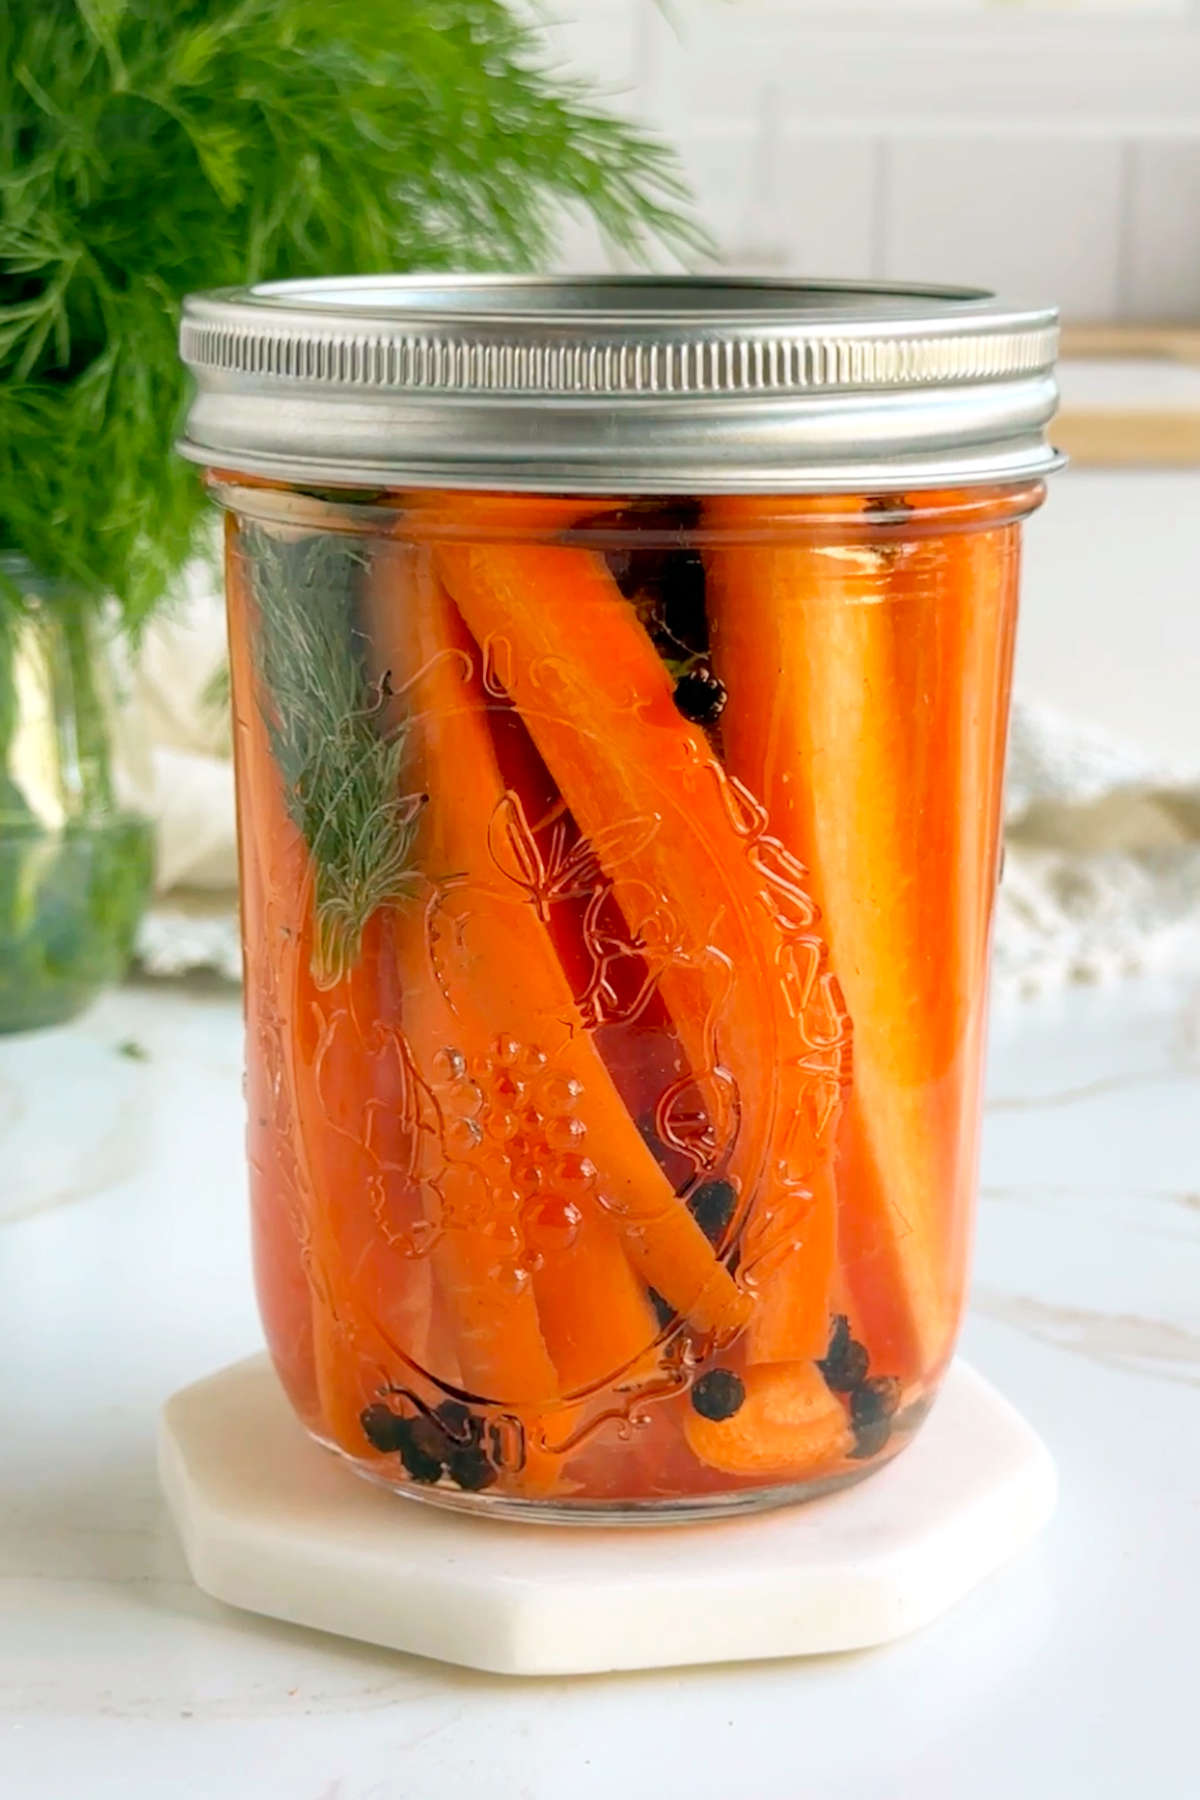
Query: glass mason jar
76	840
621	677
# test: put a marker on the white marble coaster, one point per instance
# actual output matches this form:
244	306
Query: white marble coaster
273	1523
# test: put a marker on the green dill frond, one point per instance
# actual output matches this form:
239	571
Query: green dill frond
340	763
152	147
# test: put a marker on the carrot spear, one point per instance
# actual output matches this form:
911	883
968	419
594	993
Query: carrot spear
867	691
713	897
327	1080
482	975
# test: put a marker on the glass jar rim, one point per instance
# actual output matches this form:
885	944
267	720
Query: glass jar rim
625	384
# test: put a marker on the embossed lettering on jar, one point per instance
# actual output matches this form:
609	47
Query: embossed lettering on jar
619	767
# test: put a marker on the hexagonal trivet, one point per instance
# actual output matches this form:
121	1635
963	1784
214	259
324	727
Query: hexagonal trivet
273	1523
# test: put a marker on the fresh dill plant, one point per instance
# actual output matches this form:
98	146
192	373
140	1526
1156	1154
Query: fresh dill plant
149	148
340	759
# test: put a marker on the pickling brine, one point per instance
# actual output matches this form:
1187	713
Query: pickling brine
617	885
620	673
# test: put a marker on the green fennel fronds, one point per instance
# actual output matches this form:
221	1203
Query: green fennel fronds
339	760
153	147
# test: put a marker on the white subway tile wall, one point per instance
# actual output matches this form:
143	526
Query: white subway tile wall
776	199
1027	214
1163	263
1014	143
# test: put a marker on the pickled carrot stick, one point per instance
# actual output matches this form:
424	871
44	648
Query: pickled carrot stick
277	1211
435	514
376	1319
544	853
356	1130
994	579
638	779
793	1276
968	582
369	1301
790	1242
492	960
815	719
716	901
787	1425
594	1314
483	1252
851	709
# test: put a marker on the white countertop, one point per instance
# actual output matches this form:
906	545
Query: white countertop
1070	1675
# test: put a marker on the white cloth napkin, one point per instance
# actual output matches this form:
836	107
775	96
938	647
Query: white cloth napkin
1102	867
1102	863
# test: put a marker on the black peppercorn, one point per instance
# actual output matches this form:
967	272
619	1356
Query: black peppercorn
383	1429
462	1426
419	1463
700	696
711	1205
471	1470
875	1399
430	1438
844	1364
660	573
718	1394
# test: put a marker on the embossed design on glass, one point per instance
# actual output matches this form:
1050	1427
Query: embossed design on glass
617	881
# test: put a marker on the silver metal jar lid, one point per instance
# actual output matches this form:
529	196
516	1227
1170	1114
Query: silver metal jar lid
618	384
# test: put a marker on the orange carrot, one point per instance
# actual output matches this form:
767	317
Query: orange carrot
792	1267
983	728
590	1192
855	671
278	1224
788	1425
327	1068
716	902
542	853
356	1127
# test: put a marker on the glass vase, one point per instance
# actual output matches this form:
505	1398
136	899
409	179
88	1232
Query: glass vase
76	841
